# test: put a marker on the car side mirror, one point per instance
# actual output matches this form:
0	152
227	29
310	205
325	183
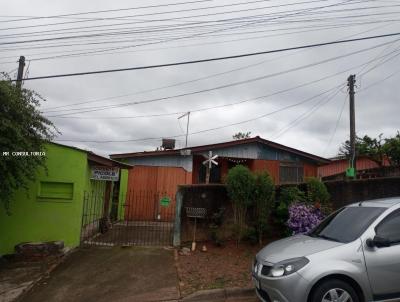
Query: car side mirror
378	242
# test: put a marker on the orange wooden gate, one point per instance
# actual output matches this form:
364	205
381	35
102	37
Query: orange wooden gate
147	186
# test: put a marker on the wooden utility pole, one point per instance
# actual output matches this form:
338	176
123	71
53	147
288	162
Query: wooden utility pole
352	170
20	71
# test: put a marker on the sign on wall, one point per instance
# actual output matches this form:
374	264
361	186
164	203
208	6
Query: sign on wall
105	173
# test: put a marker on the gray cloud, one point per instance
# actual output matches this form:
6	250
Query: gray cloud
377	108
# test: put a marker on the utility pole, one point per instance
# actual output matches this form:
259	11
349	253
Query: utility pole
187	126
20	71
351	172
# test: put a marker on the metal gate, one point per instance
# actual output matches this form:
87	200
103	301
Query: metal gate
143	218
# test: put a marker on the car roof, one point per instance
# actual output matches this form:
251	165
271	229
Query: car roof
381	203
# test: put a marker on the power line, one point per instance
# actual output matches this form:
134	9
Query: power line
349	2
108	50
336	126
106	11
291	125
201	78
68	115
313	28
129	30
220	30
305	115
99	108
149	14
214	59
168	27
220	127
172	85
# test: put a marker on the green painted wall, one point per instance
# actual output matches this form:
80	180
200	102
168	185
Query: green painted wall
35	218
123	188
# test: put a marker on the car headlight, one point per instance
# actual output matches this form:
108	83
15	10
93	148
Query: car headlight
288	267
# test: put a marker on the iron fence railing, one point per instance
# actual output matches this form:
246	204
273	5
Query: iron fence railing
143	218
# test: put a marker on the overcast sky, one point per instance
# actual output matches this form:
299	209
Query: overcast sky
178	30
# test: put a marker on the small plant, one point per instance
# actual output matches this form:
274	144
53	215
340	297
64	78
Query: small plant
240	185
303	218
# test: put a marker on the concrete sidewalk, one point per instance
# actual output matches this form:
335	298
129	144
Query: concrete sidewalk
141	274
111	274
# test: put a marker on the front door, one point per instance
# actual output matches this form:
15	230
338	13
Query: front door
383	264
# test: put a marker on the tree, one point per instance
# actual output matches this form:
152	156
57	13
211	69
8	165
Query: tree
22	129
392	149
240	185
241	135
365	146
264	191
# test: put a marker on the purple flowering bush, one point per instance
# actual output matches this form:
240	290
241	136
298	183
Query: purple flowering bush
303	217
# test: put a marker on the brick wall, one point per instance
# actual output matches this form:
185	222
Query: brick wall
214	196
346	192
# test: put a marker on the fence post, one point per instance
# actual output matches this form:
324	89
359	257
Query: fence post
177	224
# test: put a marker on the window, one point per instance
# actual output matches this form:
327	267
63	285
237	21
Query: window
56	190
347	224
389	228
291	173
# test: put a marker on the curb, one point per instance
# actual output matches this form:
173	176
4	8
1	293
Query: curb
220	294
237	292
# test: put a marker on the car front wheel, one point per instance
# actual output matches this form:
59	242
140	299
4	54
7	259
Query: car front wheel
334	291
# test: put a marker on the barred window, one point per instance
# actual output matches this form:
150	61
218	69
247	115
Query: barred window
291	173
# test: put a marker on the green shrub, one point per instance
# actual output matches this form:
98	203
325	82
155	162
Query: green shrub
318	195
264	194
240	186
282	215
289	195
317	191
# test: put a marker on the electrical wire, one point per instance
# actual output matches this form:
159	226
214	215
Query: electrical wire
338	119
314	28
106	11
201	78
100	108
291	125
215	59
305	115
215	31
180	26
118	33
220	127
218	106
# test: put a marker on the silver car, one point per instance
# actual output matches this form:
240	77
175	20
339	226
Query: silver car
351	256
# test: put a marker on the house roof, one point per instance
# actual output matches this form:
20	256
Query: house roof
95	158
209	147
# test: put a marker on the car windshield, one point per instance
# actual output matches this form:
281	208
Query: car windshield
346	224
